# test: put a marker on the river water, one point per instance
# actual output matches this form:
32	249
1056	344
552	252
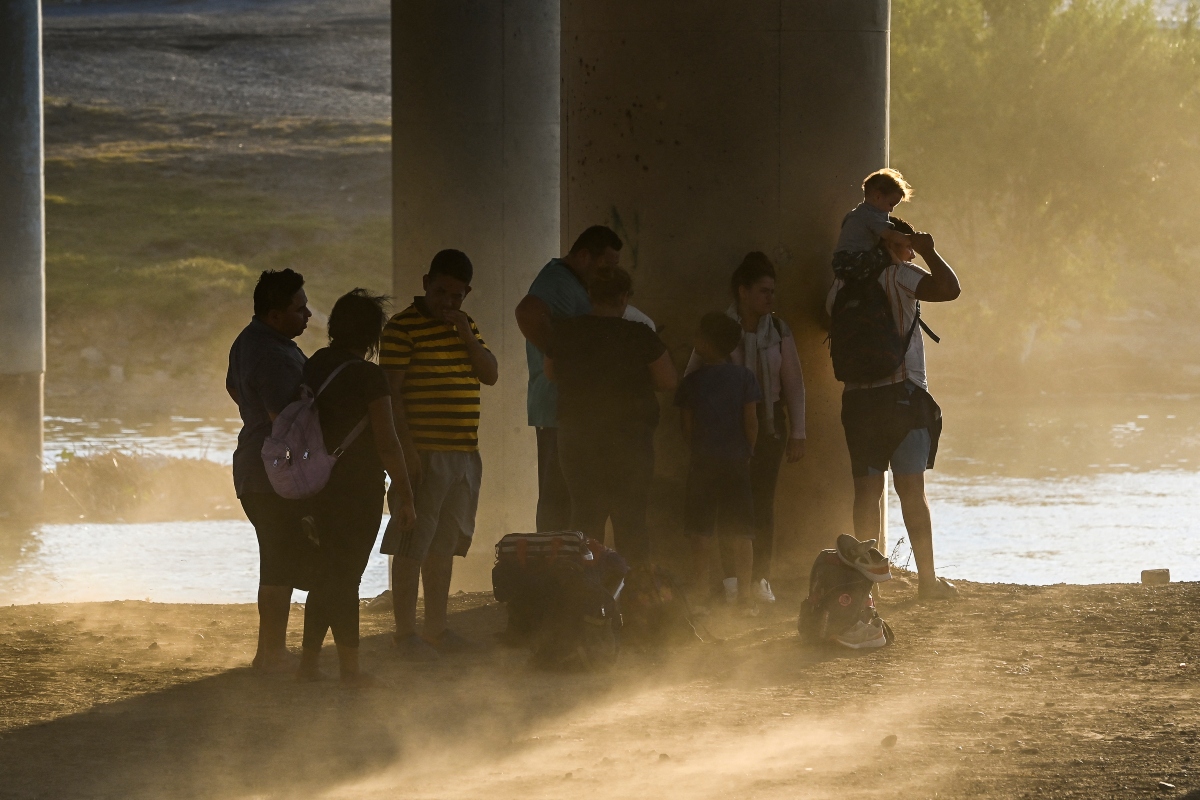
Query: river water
1056	493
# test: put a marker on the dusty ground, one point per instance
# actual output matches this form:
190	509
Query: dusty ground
1063	691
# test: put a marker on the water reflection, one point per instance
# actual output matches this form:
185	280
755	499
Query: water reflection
178	437
182	562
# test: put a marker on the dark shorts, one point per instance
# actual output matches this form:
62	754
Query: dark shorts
285	555
718	492
878	423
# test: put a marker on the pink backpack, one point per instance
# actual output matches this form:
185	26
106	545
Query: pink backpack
297	463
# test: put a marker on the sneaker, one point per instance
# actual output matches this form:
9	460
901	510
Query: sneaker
864	557
414	648
941	589
862	636
762	592
451	642
731	590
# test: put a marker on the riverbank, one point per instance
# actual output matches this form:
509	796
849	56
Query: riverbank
1062	691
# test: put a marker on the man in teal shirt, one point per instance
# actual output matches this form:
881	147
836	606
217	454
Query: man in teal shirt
559	291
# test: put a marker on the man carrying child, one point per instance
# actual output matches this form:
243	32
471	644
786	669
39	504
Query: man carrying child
892	421
718	403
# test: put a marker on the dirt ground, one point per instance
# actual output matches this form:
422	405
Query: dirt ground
1062	691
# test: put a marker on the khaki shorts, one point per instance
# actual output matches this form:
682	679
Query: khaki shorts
446	500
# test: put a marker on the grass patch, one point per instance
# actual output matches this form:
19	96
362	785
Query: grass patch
154	244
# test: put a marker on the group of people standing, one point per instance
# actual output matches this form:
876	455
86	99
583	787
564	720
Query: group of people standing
596	365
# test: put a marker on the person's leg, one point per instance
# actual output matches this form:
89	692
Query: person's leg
436	572
764	476
868	489
316	625
554	497
411	550
908	474
743	564
915	507
702	552
350	549
628	472
580	453
456	528
268	514
406	582
699	523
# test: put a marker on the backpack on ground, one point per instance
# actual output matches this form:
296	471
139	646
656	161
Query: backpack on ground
839	608
655	611
580	626
863	340
560	591
298	465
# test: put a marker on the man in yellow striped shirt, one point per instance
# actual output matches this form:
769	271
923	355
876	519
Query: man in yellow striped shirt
435	360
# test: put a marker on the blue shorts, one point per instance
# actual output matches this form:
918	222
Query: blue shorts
911	457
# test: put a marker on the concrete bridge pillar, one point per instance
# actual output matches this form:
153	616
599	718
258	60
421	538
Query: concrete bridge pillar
703	130
22	258
475	93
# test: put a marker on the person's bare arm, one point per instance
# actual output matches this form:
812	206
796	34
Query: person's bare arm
941	284
387	444
750	423
896	237
548	368
533	318
482	360
400	425
687	419
662	373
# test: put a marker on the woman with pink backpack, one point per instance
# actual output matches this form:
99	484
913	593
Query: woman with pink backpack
355	410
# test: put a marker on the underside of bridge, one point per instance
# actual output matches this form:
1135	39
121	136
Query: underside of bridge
698	130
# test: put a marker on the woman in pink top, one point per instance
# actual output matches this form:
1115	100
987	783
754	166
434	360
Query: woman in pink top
769	350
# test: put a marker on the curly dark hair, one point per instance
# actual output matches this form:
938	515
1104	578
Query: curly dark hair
357	320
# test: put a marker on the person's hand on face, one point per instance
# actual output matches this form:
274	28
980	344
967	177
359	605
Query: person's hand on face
922	243
444	297
459	319
795	450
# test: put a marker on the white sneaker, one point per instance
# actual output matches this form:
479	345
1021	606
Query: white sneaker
731	591
862	636
763	593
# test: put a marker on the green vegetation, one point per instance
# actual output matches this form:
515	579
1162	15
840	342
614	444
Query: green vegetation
175	220
1054	147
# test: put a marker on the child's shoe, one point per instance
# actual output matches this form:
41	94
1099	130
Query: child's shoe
731	591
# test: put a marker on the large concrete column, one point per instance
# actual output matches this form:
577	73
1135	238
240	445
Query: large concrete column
22	258
704	130
475	110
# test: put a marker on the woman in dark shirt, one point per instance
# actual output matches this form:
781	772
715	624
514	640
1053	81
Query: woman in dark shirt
349	509
607	369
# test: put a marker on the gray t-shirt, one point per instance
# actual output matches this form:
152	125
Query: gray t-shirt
265	370
861	229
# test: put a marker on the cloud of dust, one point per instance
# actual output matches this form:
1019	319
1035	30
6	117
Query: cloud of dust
687	741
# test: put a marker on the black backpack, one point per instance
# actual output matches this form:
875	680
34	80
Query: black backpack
580	624
863	339
838	597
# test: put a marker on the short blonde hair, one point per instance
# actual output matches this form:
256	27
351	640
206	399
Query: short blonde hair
888	180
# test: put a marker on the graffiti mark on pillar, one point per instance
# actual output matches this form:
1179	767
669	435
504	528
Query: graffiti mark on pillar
630	235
